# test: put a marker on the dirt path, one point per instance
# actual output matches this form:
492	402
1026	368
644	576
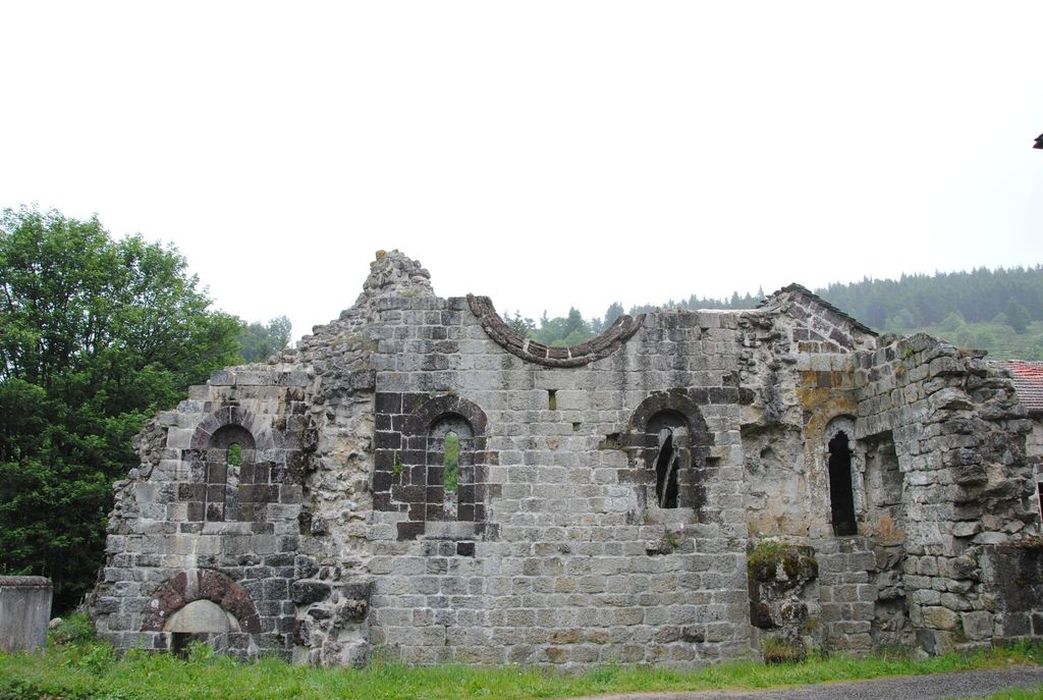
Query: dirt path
936	686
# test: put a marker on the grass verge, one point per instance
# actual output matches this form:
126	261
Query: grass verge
91	671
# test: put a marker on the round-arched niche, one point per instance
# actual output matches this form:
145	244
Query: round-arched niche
202	616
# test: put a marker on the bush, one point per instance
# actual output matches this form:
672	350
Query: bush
777	650
77	628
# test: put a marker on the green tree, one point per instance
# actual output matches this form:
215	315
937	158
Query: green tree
564	331
1018	316
96	335
523	326
953	322
614	311
902	320
259	341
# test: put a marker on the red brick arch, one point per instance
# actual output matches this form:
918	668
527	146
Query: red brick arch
200	584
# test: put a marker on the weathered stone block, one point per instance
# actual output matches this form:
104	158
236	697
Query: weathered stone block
308	591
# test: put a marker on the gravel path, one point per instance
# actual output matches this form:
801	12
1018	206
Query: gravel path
936	686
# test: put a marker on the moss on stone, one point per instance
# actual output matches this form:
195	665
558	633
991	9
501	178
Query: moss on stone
798	561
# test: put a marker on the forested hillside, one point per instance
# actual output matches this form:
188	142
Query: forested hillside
916	301
996	310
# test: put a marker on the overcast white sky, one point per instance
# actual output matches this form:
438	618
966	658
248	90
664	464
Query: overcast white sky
546	154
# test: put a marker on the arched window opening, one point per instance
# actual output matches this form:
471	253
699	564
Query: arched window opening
229	465
233	461
669	435
196	622
450	469
451	462
841	493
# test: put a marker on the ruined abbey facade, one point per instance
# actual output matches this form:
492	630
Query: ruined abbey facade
415	480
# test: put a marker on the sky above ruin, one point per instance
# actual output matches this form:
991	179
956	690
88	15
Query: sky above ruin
546	154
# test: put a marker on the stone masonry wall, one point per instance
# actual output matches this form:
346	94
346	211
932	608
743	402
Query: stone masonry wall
415	480
799	360
160	528
565	558
958	434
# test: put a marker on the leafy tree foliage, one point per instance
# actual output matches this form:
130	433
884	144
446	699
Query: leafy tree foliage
1018	316
522	326
96	335
564	331
259	341
695	302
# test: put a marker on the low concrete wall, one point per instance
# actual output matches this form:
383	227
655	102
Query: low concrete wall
25	609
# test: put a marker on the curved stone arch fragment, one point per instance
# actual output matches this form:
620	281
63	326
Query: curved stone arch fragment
230	415
200	584
597	348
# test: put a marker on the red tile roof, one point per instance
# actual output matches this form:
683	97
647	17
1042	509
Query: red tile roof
1028	382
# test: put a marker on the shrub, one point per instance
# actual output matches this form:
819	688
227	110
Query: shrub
77	628
777	650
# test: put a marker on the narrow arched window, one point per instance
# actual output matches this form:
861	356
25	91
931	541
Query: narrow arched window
841	492
229	466
451	462
667	431
233	461
450	469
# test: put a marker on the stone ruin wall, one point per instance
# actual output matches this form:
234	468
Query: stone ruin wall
335	537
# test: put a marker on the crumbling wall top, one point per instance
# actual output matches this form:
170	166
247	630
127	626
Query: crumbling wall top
394	274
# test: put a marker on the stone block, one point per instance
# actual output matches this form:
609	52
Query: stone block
977	625
25	609
940	618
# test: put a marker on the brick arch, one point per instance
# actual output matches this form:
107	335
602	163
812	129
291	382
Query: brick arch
842	423
643	446
200	584
431	411
597	348
674	401
234	416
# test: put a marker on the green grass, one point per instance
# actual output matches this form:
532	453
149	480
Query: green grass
81	671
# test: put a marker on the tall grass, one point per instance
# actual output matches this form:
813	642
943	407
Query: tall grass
90	670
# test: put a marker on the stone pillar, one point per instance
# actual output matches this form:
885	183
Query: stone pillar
25	609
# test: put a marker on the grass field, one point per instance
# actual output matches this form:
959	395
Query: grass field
84	669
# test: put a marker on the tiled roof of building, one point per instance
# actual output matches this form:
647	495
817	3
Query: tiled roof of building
1028	382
